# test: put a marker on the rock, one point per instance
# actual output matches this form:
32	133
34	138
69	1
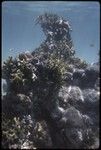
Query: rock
73	117
63	97
77	73
86	78
96	144
95	119
75	137
20	104
78	128
71	95
91	105
87	120
78	77
63	93
61	109
91	97
57	113
92	73
75	94
94	66
97	84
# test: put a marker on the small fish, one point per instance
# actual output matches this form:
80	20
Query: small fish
91	45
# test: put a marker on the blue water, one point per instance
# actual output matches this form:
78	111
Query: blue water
19	32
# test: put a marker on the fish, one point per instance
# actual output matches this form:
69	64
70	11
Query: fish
91	45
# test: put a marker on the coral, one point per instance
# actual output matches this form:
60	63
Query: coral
52	96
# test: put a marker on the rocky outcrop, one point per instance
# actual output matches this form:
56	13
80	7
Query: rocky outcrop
81	107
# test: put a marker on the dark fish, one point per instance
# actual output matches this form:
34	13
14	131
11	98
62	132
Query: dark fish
91	45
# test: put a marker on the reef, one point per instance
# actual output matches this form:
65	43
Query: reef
52	96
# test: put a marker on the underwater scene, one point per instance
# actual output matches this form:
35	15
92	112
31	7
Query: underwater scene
50	74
